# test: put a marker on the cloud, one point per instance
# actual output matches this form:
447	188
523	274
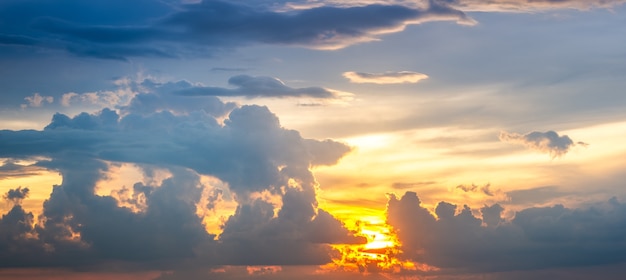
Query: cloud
538	195
529	6
457	241
37	100
229	69
16	195
198	29
155	223
409	185
151	95
10	169
254	87
547	142
385	78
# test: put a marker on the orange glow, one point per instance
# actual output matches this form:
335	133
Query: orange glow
378	255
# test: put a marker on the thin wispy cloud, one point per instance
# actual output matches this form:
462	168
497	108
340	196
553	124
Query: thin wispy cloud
259	86
530	6
385	78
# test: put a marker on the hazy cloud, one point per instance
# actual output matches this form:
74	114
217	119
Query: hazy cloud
548	142
385	78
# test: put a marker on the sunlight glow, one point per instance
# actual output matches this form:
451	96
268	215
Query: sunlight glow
378	255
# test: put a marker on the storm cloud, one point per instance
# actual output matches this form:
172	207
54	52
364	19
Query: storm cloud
197	29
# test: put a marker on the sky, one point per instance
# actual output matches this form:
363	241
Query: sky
312	139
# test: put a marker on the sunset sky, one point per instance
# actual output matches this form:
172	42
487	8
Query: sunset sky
312	139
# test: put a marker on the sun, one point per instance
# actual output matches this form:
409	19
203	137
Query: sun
378	255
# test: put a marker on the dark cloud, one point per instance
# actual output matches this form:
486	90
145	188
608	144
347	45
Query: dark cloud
159	226
457	241
252	87
14	169
548	142
229	69
172	29
16	195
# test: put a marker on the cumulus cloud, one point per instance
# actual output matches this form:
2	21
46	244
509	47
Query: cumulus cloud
385	78
181	29
462	240
156	223
547	142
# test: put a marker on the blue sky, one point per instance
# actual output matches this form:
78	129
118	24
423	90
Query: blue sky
261	139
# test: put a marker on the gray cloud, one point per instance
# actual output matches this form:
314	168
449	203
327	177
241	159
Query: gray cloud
202	28
548	142
385	78
252	87
12	169
542	237
16	195
37	100
250	151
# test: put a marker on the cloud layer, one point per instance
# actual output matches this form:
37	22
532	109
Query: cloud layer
151	28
